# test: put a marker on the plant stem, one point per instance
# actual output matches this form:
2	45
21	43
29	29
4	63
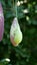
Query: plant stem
16	7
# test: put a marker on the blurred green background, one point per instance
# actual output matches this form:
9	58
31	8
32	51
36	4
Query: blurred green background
26	52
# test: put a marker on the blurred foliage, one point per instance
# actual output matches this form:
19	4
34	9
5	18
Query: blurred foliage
26	52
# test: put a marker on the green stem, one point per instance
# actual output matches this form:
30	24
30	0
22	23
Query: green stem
16	7
13	4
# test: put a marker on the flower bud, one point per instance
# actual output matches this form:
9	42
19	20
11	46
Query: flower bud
15	33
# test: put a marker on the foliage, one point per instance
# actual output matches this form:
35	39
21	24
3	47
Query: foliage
26	52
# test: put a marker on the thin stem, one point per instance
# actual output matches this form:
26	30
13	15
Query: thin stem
16	7
13	3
